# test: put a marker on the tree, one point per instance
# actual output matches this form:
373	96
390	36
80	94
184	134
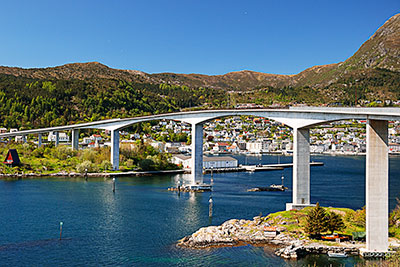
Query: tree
316	221
334	222
360	217
394	217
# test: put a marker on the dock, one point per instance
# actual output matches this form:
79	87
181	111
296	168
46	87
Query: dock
273	167
254	168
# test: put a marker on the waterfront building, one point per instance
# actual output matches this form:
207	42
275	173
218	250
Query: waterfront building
233	148
159	146
62	137
394	148
208	162
257	146
221	147
172	147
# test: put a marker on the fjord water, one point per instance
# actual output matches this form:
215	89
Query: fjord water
140	224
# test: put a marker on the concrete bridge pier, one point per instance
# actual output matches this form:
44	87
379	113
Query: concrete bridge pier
39	140
197	153
75	139
57	141
377	186
301	169
115	149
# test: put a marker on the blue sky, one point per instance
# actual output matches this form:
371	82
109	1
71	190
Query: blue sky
209	37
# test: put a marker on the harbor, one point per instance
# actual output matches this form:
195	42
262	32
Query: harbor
141	221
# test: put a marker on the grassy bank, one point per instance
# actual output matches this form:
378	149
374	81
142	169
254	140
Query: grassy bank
294	221
50	159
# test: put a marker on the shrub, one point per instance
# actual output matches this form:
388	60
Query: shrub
86	165
105	165
62	152
359	217
88	155
38	152
394	217
146	164
129	163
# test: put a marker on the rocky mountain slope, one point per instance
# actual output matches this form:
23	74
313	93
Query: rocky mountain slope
381	51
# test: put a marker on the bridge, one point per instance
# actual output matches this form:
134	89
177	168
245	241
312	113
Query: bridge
301	120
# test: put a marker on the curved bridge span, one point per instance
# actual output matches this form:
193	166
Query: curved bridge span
301	119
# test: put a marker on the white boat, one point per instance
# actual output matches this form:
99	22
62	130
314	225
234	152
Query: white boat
337	254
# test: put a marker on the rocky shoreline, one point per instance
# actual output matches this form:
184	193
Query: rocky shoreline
258	231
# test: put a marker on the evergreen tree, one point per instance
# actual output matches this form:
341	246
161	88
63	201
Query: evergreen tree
334	222
316	221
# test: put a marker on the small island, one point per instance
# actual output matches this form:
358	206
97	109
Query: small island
296	233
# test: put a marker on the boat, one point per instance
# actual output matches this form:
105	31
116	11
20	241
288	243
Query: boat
334	237
337	254
272	187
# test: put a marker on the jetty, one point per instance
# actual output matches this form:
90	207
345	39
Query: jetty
255	168
274	167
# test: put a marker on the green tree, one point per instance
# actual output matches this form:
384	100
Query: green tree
316	221
146	164
394	217
334	222
360	217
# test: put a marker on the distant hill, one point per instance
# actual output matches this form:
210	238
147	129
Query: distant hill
381	51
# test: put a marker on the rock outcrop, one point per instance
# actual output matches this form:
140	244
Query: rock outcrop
260	232
236	232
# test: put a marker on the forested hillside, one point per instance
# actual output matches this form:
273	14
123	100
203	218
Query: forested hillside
28	103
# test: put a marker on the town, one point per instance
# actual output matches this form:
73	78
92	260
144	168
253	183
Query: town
234	135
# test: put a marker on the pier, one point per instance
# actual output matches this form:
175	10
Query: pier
274	167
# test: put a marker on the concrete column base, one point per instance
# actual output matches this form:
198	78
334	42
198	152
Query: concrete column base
115	149
75	139
197	154
39	140
57	140
377	186
301	166
294	206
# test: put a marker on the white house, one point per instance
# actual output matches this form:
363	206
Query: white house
208	162
219	162
159	146
220	147
62	137
86	140
257	147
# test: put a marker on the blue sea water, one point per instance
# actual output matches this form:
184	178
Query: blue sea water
139	224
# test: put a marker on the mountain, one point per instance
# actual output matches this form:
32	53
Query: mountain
381	51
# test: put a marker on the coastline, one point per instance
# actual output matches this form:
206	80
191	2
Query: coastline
280	153
278	229
93	174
